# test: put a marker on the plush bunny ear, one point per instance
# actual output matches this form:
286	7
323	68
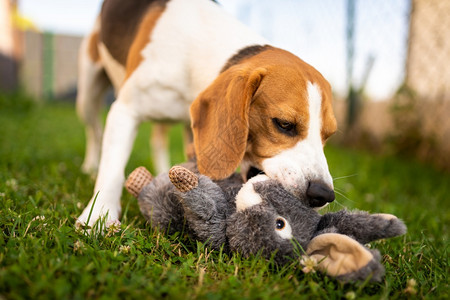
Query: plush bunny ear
341	256
247	197
219	119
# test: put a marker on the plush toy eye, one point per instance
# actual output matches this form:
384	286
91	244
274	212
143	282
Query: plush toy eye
280	224
282	228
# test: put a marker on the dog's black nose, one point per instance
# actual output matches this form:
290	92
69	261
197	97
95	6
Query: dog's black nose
319	194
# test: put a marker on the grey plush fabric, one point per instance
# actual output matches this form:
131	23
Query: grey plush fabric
206	210
210	215
253	229
160	205
360	225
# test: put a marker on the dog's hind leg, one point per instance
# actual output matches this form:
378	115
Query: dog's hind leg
159	144
92	84
160	147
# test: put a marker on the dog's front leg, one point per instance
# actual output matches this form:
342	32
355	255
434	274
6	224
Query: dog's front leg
120	132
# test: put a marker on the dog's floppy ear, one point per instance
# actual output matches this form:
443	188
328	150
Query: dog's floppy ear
341	256
220	123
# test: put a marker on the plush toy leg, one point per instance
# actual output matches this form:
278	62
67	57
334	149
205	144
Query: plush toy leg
362	226
139	178
204	205
344	258
183	179
199	197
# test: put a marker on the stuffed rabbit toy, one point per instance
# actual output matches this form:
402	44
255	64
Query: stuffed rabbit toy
261	216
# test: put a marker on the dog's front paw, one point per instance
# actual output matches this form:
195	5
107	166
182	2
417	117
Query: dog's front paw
99	217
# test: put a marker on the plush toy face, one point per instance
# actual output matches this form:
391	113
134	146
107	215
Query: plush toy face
270	219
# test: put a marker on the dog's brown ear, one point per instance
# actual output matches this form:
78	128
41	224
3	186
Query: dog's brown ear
219	119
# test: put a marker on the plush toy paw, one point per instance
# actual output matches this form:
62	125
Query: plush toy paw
393	226
344	258
183	179
139	178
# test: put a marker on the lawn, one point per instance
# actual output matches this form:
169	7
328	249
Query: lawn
42	256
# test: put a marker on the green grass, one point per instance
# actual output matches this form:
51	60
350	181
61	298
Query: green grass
42	256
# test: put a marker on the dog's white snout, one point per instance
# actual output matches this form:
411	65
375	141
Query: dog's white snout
300	166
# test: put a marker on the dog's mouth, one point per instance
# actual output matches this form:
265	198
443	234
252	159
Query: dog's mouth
252	172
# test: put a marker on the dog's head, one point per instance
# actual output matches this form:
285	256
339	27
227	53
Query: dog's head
270	111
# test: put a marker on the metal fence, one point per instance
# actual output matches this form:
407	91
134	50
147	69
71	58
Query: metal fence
392	50
318	32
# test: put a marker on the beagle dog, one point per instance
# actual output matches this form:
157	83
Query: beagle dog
249	104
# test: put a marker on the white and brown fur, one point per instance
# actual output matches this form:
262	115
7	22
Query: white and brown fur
255	105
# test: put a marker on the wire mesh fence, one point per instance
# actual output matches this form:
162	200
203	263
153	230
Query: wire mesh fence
317	32
393	50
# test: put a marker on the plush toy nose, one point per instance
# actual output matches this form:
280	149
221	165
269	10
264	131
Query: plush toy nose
319	194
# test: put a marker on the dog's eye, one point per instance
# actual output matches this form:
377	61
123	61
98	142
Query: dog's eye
280	224
285	127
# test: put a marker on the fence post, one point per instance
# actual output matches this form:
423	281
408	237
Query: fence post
48	56
352	97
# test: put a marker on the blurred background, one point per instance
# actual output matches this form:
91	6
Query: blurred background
385	59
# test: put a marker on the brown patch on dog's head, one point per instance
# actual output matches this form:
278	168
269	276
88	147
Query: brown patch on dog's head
257	108
243	54
329	123
220	122
282	96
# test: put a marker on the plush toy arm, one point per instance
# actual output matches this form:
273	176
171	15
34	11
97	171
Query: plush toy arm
137	180
156	200
342	257
362	226
204	204
197	193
